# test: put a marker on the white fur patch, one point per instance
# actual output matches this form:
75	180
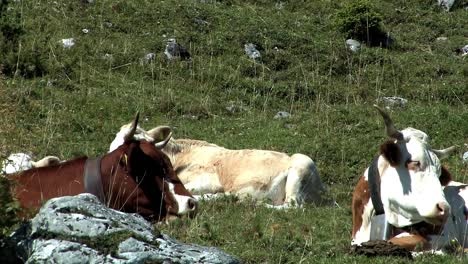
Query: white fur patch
140	134
363	234
204	184
404	234
182	201
17	162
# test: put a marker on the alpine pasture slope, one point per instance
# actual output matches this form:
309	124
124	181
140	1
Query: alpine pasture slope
77	98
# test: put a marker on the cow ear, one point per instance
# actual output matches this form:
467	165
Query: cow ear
391	152
445	176
159	133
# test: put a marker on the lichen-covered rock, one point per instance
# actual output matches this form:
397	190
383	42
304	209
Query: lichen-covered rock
353	45
282	114
79	229
62	251
465	157
393	102
446	4
252	52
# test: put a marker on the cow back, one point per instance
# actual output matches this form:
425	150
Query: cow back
35	186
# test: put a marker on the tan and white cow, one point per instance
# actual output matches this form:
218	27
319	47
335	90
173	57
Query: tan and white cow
277	178
409	185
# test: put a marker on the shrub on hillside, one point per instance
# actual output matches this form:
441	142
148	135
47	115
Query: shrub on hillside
16	60
360	20
8	207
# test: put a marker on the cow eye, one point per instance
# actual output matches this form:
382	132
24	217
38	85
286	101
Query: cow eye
413	165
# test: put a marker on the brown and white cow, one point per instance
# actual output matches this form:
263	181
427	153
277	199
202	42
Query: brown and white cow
136	177
409	179
274	177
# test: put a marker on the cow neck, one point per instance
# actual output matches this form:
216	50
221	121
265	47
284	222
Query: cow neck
92	178
422	228
373	178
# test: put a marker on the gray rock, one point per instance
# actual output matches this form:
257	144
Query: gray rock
150	57
465	157
80	229
68	43
393	102
279	5
442	39
353	45
201	22
252	52
51	82
446	4
174	50
233	108
463	51
58	251
282	114
190	116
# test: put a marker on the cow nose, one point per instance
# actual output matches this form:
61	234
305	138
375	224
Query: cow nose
441	213
442	209
437	214
192	204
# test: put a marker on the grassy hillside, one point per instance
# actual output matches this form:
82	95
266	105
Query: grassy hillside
70	102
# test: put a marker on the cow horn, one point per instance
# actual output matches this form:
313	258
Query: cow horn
133	128
389	127
162	144
443	153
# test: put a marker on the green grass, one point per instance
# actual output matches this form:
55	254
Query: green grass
260	235
84	97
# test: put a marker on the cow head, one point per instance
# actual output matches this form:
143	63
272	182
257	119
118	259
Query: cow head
158	192
411	182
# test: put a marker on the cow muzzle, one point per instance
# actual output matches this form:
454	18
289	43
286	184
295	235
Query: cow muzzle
439	214
187	205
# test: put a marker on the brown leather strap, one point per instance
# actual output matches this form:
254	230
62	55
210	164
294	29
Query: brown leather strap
373	178
92	178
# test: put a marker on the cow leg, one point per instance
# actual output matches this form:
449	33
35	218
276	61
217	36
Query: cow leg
205	183
210	196
411	242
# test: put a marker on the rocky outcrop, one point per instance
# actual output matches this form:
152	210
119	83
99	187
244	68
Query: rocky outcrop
79	229
393	102
446	4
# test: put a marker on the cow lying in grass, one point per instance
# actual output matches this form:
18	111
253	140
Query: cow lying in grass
137	177
204	168
405	184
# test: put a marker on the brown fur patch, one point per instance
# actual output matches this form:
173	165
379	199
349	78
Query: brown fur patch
445	176
411	242
391	152
361	197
